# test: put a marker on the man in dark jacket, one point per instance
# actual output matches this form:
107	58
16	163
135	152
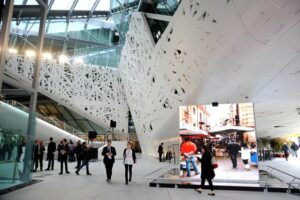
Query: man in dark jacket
233	150
50	153
35	154
109	153
64	152
160	151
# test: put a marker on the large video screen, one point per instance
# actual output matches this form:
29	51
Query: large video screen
228	130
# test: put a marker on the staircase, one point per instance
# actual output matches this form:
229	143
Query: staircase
51	120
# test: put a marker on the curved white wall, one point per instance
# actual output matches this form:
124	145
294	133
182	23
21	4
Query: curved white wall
94	92
224	51
15	119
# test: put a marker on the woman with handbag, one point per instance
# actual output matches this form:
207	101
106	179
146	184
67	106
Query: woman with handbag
207	170
129	160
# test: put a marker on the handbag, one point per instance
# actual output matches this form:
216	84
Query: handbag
214	163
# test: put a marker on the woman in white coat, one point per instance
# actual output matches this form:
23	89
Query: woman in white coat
245	155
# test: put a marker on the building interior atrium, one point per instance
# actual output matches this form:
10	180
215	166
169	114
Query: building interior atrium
178	91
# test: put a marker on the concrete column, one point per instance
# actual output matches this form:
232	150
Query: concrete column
33	96
4	37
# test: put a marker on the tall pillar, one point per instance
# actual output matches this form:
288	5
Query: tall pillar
4	36
30	137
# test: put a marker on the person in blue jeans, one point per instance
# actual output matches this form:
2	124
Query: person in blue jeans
188	161
188	149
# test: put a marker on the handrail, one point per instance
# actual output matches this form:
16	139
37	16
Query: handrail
290	183
273	168
51	120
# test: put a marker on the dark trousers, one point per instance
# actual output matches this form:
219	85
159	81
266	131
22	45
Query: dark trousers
128	168
233	160
211	187
40	158
36	162
78	163
108	167
160	156
85	162
50	161
63	159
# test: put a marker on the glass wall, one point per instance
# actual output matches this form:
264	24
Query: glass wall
15	147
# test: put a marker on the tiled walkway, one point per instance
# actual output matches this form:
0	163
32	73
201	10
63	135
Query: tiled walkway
73	187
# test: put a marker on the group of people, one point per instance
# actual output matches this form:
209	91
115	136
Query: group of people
65	150
293	149
83	156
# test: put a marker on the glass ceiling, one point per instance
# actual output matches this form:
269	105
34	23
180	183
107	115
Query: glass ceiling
98	40
104	5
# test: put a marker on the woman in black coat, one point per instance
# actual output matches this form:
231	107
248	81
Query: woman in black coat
207	170
129	160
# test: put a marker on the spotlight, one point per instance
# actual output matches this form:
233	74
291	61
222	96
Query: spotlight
47	55
11	50
30	53
63	58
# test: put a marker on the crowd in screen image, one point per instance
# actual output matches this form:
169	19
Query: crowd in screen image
226	133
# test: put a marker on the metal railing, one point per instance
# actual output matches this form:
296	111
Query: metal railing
51	120
294	183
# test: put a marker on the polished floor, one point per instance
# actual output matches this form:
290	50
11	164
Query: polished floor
73	187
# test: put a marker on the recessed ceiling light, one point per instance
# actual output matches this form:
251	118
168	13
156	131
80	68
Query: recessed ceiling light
278	126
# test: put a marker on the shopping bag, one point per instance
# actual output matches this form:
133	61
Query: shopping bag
214	163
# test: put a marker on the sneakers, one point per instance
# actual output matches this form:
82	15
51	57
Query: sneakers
199	190
88	174
211	193
76	173
67	172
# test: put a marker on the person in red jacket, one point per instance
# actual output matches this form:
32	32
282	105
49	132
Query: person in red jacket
188	149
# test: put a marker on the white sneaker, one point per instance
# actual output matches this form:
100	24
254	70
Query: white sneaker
199	190
212	193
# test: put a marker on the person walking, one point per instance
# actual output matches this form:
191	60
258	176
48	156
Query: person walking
233	149
286	151
64	151
129	160
207	170
245	155
86	155
160	151
109	153
35	150
50	153
78	152
294	149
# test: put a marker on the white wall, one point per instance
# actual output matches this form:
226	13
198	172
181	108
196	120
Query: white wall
94	92
213	51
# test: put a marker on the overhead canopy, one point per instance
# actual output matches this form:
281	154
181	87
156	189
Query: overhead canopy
194	133
227	129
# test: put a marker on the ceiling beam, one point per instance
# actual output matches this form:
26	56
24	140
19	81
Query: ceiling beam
91	12
71	10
